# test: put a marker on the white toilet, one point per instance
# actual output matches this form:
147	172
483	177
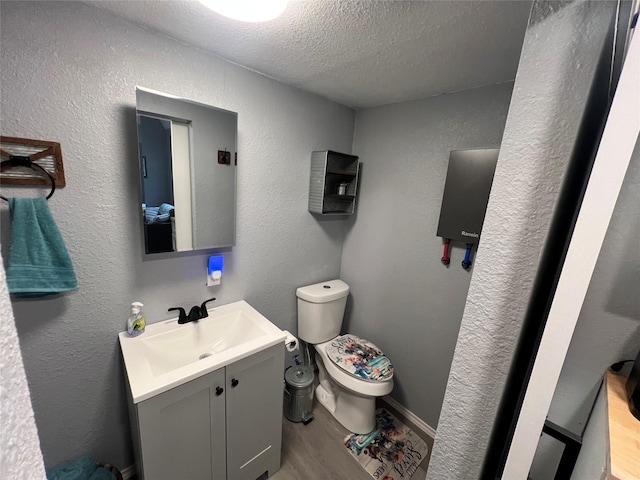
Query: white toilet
352	371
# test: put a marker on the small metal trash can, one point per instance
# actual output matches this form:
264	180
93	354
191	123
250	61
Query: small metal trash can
298	394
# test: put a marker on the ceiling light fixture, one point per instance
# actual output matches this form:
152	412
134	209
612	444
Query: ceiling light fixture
247	10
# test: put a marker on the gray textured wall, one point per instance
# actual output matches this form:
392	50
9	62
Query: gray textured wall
402	297
20	455
68	74
559	56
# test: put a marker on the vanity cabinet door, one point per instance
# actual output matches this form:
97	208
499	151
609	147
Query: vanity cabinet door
182	431
254	389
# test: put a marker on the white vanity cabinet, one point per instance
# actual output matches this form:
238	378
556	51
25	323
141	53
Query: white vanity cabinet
226	424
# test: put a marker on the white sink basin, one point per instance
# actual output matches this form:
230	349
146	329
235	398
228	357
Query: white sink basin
168	354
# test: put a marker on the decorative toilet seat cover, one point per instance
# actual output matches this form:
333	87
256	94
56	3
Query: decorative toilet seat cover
360	358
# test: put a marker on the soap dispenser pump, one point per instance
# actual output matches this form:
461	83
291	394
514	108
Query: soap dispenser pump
136	322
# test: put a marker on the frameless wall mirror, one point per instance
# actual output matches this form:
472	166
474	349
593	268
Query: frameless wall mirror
187	154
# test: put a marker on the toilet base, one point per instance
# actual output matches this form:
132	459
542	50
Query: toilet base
355	412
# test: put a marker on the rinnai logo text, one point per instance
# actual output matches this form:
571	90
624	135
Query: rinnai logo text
469	234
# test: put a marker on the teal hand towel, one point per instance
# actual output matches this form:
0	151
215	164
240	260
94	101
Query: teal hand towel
81	469
39	263
102	474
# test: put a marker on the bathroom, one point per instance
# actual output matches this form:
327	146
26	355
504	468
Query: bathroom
61	81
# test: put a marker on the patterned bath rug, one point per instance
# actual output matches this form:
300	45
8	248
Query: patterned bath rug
391	452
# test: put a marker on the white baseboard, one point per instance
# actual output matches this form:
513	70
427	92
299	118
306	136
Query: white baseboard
128	472
412	417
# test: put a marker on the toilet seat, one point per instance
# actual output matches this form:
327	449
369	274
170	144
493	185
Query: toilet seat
351	381
360	358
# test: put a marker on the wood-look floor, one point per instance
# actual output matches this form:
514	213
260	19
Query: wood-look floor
316	451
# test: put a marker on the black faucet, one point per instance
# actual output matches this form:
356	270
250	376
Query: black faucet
196	312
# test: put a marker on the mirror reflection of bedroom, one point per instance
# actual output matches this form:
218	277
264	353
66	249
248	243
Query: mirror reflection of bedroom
165	170
158	206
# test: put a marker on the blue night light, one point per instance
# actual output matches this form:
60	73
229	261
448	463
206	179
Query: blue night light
215	270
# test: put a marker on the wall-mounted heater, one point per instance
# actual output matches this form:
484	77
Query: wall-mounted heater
464	202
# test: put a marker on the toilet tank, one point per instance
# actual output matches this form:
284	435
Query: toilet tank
321	310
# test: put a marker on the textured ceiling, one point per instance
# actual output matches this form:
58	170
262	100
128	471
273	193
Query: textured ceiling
358	53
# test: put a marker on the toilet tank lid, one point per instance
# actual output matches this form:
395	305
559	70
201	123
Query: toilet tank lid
323	292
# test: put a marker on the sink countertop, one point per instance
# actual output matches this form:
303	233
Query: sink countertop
168	354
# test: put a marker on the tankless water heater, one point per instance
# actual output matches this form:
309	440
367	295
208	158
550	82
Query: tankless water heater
466	193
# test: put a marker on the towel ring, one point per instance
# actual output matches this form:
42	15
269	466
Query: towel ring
18	161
